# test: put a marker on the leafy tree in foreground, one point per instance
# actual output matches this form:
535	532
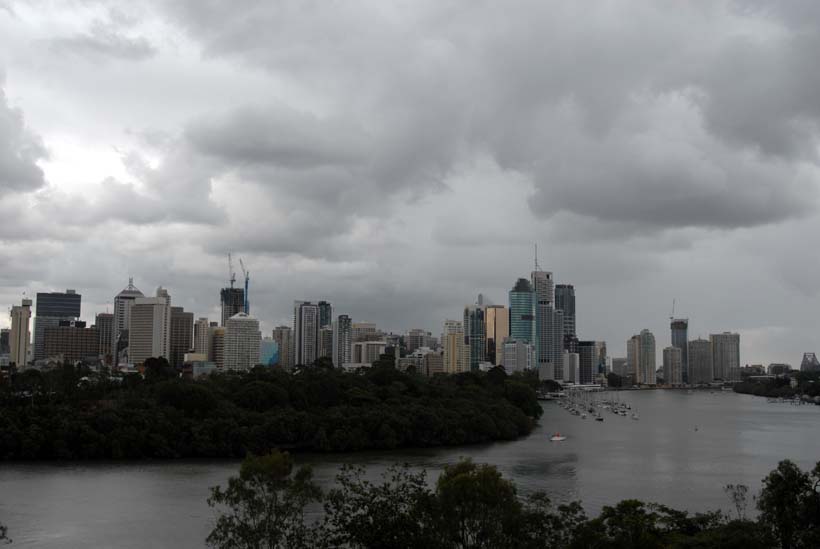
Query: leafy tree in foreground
789	505
265	506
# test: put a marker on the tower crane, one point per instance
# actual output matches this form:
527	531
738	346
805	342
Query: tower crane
231	272
247	276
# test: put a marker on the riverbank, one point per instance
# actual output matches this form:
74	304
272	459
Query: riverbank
230	415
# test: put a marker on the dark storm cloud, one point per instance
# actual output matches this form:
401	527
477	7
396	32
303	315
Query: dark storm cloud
104	40
20	150
589	112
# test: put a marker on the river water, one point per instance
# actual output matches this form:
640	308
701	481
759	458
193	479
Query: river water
681	452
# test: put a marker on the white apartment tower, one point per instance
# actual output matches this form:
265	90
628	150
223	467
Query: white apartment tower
149	327
122	313
242	342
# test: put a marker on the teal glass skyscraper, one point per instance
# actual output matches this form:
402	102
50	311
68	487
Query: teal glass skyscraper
521	311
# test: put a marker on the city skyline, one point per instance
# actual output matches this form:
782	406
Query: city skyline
150	140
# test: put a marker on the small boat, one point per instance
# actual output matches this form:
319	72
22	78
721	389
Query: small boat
635	416
557	437
599	417
584	415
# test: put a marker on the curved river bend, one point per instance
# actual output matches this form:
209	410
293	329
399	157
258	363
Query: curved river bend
661	457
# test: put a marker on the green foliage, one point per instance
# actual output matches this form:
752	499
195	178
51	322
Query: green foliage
614	380
264	506
76	414
789	505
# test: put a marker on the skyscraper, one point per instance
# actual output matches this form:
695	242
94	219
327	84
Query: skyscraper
305	332
672	366
474	335
182	329
149	328
726	356
202	334
342	340
516	355
20	334
325	314
680	339
50	309
283	335
521	311
415	339
217	351
105	329
452	341
122	317
242	342
497	318
548	333
5	337
700	361
565	301
588	359
232	301
326	342
71	341
648	359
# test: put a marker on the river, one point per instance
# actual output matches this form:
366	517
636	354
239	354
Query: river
661	457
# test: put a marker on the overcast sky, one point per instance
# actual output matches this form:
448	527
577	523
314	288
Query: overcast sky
398	158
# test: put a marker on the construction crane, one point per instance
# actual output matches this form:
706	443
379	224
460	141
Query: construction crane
231	272
247	276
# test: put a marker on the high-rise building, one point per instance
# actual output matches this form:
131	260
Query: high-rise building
672	366
474	336
217	351
809	363
20	335
700	361
268	352
232	301
122	318
415	339
305	332
342	340
283	336
555	329
522	311
565	301
182	330
571	367
326	342
452	341
70	341
647	360
497	318
517	355
367	352
591	354
640	356
149	328
726	356
50	309
242	342
680	339
105	330
543	293
5	338
202	333
365	331
325	314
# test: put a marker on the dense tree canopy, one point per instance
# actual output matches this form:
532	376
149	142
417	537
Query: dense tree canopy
473	506
72	413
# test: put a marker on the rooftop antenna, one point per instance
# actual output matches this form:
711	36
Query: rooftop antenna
672	317
537	268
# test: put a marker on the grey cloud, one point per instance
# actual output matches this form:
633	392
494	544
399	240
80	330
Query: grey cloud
20	150
105	41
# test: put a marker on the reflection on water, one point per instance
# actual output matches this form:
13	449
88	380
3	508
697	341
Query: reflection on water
662	457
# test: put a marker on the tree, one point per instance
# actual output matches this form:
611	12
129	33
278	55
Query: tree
788	505
265	505
477	507
393	514
4	534
614	380
738	495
